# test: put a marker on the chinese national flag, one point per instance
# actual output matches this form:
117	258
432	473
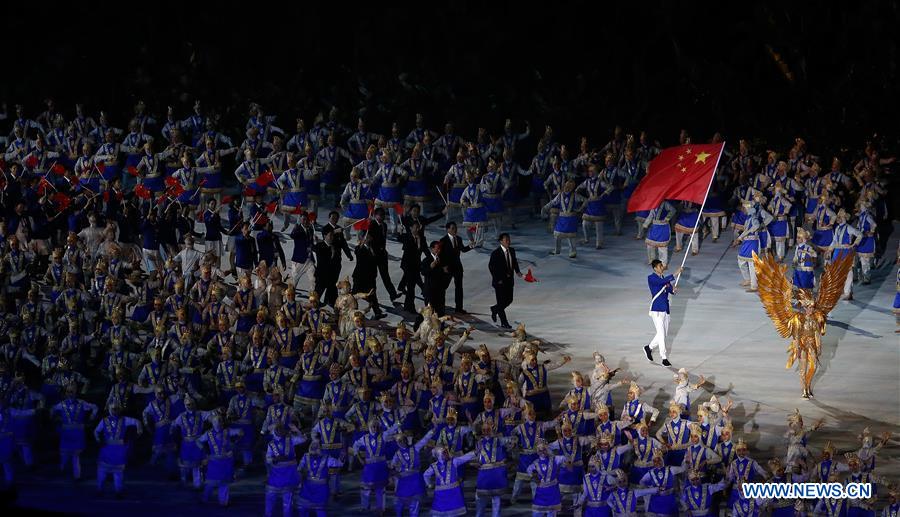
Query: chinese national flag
170	181
681	173
58	169
312	216
265	179
298	210
132	170
31	162
100	167
227	199
271	207
142	192
529	277
62	201
398	208
361	225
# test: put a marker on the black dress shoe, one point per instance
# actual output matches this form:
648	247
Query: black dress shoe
649	353
666	362
493	314
506	326
461	311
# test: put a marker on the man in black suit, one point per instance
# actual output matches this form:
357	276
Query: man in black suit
340	237
328	267
366	272
414	215
410	263
437	278
504	268
378	233
451	247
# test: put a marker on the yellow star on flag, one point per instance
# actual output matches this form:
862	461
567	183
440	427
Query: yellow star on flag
680	157
701	157
684	169
688	150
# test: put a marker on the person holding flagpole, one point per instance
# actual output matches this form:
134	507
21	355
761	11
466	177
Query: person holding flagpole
660	287
684	173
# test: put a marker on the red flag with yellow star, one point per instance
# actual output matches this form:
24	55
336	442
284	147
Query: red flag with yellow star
683	173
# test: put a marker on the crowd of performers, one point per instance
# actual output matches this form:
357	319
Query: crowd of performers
120	332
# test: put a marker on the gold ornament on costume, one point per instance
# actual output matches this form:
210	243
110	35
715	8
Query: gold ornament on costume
804	326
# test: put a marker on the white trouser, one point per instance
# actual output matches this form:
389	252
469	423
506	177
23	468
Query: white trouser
715	225
598	228
848	283
695	242
658	251
779	249
298	269
481	503
748	272
661	324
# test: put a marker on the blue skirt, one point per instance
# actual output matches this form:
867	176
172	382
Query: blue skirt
739	218
838	253
254	382
455	194
779	229
547	498
448	501
245	442
595	210
784	511
494	205
245	323
804	279
295	199
311	389
110	172
113	455
329	177
566	225
637	473
220	469
896	306
154	183
389	194
571	478
596	511
748	248
312	188
659	234
764	239
687	221
417	190
213	181
663	505
410	484
357	211
24	429
537	185
525	460
541	402
642	214
675	458
71	439
475	215
141	312
374	475
492	479
283	477
823	238
811	205
866	245
190	197
314	493
853	511
190	454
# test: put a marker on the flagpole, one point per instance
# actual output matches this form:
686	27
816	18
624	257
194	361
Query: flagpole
700	213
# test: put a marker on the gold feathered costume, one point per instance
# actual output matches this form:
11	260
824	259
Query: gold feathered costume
806	325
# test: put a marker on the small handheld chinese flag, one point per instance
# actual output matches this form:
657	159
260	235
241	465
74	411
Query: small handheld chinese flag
58	169
298	210
249	191
142	192
227	199
132	170
271	207
171	181
398	208
683	173
100	167
529	277
265	179
312	216
31	162
62	201
361	225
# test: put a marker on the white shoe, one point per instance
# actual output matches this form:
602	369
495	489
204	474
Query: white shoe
554	252
573	254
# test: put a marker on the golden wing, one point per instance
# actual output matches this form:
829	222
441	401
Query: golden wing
831	285
774	292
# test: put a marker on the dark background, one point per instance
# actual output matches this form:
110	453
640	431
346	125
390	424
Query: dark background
823	70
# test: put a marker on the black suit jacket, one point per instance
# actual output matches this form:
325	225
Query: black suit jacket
435	278
412	254
378	232
339	238
501	273
450	254
366	268
328	260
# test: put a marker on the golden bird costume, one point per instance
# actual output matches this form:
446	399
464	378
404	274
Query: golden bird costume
806	325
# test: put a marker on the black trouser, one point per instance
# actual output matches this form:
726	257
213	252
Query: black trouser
504	294
458	288
326	287
438	300
411	278
382	261
365	287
